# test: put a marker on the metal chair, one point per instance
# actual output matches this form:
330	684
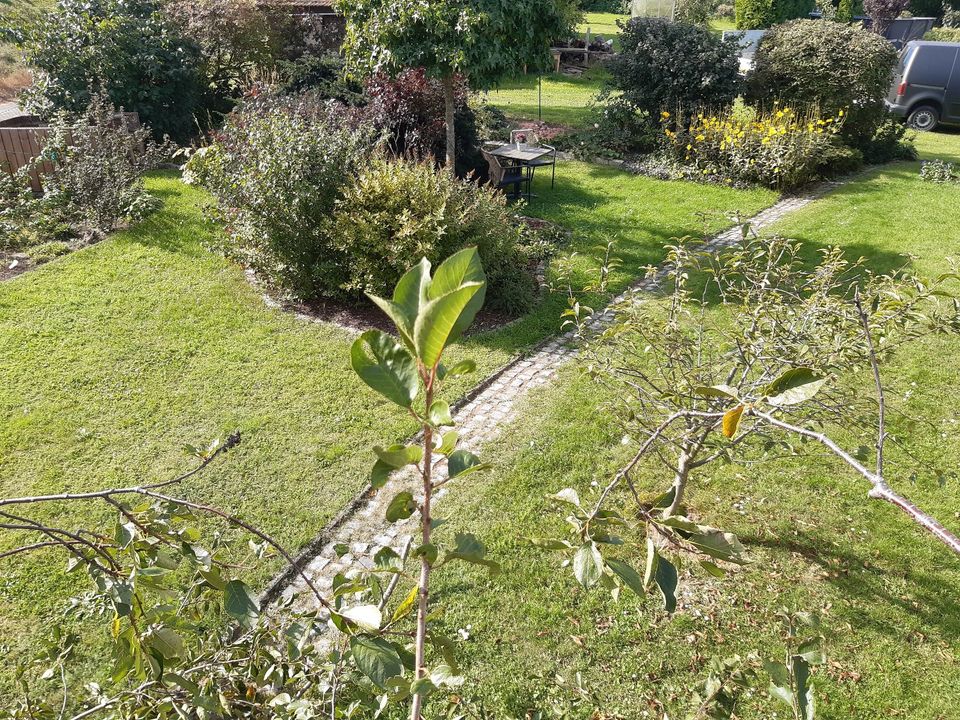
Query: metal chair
550	159
503	176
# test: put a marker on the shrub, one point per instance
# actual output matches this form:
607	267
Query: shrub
276	170
666	65
616	130
608	6
20	211
98	165
323	74
236	38
126	48
725	11
939	171
693	11
890	142
395	210
831	65
781	149
943	34
761	14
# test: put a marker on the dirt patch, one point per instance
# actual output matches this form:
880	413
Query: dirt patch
362	316
13	265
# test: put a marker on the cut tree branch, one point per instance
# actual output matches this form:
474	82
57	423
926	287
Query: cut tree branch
880	489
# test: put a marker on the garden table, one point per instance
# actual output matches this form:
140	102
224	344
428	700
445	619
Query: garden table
521	154
526	156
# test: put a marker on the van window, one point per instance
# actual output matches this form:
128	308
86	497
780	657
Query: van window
905	56
932	65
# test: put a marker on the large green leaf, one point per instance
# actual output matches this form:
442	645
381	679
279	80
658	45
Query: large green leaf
587	564
470	549
408	296
457	270
398	456
666	579
435	324
794	386
391	370
461	462
440	414
167	642
401	507
367	617
239	602
376	658
629	576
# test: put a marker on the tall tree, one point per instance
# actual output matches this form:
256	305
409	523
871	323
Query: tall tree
481	40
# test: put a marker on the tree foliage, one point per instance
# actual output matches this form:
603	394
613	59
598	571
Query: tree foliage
480	40
667	66
128	49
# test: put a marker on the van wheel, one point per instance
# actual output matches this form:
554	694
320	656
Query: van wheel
923	118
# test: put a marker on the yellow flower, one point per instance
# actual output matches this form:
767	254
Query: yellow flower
700	137
664	114
689	146
779	113
840	114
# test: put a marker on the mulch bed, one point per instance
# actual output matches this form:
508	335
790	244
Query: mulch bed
13	265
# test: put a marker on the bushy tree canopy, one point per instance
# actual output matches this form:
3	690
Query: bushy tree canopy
480	40
665	66
126	48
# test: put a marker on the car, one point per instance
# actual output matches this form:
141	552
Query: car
926	85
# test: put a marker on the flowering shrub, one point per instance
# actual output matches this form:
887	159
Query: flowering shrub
780	149
831	65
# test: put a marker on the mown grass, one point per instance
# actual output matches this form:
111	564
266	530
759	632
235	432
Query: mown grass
115	356
561	99
887	592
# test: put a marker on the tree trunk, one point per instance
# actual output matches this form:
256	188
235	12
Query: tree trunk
680	482
449	107
426	523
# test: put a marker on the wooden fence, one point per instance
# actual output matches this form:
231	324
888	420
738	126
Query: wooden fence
20	146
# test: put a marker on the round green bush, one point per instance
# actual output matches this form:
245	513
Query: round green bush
831	65
396	211
663	66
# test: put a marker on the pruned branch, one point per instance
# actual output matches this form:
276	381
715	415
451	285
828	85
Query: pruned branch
880	489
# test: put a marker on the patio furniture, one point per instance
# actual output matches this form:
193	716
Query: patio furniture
529	153
548	160
504	174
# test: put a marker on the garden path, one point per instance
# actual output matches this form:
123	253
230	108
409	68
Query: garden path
362	529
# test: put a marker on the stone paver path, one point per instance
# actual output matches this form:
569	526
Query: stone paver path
363	527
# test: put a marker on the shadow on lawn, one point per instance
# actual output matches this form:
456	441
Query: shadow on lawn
930	600
178	227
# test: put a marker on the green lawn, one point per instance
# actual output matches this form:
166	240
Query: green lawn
887	593
115	356
565	100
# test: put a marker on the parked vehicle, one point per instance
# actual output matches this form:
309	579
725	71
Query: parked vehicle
926	85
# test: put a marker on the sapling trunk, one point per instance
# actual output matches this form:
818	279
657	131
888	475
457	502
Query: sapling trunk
425	520
680	482
449	107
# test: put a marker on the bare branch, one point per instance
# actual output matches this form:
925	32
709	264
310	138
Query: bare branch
875	367
880	490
